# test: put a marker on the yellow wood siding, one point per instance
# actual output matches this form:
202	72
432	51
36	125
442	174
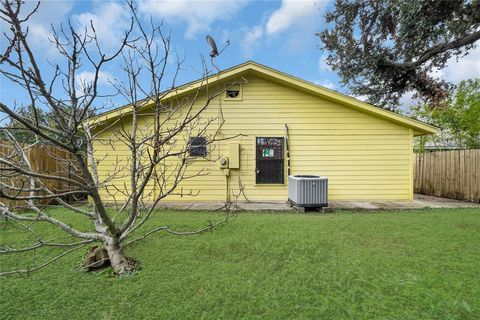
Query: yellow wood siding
364	157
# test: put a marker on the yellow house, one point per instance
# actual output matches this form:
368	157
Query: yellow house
365	151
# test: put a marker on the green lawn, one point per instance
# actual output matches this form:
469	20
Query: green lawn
383	265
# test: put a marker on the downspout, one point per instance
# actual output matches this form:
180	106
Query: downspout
227	193
287	142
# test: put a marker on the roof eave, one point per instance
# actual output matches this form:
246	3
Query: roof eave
419	128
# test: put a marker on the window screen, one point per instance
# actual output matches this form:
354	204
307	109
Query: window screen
197	147
269	160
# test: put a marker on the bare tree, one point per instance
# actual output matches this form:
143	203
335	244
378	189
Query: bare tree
158	148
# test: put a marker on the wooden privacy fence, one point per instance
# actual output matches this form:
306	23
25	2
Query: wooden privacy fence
45	159
449	174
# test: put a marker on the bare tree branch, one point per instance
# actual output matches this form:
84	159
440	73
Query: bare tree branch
43	265
149	140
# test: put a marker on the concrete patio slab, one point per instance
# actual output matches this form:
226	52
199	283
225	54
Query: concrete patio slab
420	202
239	206
437	202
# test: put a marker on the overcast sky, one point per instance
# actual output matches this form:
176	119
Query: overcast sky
279	34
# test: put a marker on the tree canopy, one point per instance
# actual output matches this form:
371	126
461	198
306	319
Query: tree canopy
459	123
383	49
21	133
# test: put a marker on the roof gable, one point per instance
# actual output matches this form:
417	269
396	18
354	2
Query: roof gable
419	128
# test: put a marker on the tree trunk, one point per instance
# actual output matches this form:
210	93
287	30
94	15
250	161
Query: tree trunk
119	262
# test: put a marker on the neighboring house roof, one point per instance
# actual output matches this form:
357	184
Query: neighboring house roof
419	127
444	144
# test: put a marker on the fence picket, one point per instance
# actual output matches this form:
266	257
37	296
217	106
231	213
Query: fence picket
44	159
450	174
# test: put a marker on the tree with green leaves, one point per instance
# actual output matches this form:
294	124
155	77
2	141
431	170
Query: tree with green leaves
459	122
384	49
21	133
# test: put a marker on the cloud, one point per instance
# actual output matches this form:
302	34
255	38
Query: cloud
49	11
466	67
198	15
299	20
39	33
85	78
250	40
39	25
326	83
407	101
110	20
322	63
298	17
292	12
